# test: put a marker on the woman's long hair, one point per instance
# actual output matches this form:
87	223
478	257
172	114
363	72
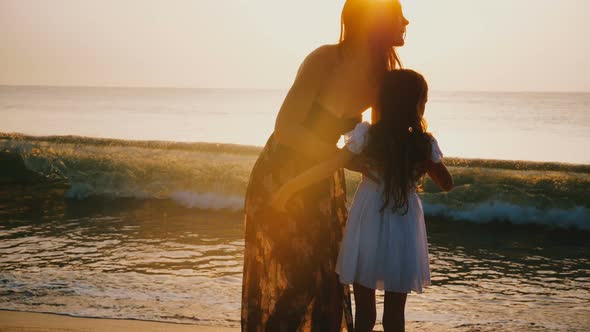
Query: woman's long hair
352	23
398	142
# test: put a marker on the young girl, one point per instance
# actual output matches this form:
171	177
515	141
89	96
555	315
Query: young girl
385	244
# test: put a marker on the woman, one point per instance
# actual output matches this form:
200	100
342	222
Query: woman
290	283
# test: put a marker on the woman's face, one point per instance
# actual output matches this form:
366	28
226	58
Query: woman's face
392	29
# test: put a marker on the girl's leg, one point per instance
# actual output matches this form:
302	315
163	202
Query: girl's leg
366	311
393	313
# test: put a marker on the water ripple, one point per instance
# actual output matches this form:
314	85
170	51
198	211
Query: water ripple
185	265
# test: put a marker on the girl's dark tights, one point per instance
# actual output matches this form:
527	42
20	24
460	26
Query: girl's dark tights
393	314
366	311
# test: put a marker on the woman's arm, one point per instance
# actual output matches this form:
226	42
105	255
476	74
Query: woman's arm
289	129
439	173
309	177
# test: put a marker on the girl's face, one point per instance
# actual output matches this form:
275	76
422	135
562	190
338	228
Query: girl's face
422	106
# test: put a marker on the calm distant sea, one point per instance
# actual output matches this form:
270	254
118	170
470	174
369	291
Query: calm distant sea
511	126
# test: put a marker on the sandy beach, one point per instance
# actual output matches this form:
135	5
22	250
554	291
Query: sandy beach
18	321
13	321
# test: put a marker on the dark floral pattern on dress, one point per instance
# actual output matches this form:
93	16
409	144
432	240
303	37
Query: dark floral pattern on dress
290	283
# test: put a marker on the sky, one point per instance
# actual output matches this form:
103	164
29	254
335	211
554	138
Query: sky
466	45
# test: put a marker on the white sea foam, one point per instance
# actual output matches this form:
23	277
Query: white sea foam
208	201
577	217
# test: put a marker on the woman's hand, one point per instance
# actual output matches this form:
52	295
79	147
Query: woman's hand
363	165
319	172
278	200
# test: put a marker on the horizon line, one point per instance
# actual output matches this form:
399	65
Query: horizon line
266	89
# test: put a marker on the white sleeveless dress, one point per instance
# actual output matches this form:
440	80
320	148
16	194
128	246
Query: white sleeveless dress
383	250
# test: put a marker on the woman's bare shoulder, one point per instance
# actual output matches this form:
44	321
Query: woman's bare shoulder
322	57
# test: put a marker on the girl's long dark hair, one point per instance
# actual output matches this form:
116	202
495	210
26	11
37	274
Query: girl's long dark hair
398	142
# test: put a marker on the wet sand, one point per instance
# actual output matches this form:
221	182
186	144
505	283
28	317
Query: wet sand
18	321
13	321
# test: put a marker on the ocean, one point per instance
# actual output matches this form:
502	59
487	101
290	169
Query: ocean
137	210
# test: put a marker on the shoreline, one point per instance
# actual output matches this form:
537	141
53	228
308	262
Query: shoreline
24	321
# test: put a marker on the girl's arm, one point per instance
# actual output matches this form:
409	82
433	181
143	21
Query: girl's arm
439	173
309	177
289	129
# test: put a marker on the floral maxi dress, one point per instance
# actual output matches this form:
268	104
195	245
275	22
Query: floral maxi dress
289	281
